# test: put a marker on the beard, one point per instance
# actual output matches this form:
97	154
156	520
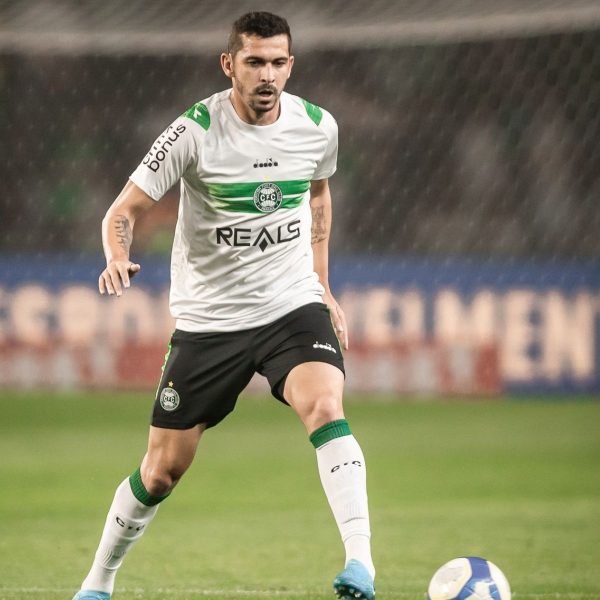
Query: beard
264	103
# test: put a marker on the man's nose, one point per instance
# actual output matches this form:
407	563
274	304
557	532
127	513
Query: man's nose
267	73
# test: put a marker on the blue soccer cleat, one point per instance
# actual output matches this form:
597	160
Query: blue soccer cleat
354	582
91	595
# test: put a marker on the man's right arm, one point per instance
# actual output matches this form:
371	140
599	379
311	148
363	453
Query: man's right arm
117	235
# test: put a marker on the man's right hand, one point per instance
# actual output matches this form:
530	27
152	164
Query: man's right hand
117	276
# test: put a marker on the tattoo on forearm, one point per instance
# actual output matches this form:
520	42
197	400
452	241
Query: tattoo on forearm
319	226
123	231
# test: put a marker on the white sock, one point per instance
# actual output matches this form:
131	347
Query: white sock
126	522
343	475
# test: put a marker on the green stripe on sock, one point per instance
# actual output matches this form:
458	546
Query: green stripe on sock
140	492
329	432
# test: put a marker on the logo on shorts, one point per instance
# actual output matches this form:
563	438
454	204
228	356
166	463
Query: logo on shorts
325	346
267	197
169	399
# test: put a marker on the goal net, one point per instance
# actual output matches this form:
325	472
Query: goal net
469	168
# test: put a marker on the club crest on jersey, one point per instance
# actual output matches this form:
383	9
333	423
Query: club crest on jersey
268	197
169	399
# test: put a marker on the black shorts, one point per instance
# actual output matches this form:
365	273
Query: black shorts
204	373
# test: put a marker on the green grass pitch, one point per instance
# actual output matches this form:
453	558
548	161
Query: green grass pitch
517	482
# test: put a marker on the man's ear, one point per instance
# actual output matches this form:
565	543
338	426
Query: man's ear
227	64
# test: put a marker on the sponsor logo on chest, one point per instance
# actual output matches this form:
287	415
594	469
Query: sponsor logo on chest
262	238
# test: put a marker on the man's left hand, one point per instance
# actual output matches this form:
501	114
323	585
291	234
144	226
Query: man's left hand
338	318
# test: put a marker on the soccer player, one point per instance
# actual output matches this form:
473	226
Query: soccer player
249	290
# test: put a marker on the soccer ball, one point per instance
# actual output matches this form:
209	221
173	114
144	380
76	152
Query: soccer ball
468	578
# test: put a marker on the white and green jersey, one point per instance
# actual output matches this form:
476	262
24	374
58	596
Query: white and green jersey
242	253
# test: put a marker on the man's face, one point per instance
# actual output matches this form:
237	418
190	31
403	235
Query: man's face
259	71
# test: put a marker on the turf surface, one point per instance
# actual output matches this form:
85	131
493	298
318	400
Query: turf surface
517	482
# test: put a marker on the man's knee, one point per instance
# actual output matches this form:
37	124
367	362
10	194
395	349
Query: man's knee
160	477
326	406
170	453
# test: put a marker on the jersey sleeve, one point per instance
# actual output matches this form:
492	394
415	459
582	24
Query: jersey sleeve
328	164
170	155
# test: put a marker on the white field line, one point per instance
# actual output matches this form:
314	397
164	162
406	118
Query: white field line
168	592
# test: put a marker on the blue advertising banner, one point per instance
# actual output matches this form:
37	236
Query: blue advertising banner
417	326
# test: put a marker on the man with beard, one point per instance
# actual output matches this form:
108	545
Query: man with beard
249	290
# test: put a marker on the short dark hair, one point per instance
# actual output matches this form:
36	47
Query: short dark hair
262	24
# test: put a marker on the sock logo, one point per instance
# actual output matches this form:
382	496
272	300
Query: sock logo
127	526
356	463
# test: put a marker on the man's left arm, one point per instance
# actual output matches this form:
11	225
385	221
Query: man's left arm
320	206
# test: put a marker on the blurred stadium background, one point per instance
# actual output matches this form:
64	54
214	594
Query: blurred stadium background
465	251
466	243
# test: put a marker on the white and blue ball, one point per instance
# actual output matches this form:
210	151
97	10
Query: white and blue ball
469	578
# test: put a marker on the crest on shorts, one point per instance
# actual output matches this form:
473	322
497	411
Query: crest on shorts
169	399
268	197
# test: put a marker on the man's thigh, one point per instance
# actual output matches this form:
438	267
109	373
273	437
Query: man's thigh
314	390
306	335
202	377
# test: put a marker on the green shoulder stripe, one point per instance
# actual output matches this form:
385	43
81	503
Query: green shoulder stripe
314	112
200	114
